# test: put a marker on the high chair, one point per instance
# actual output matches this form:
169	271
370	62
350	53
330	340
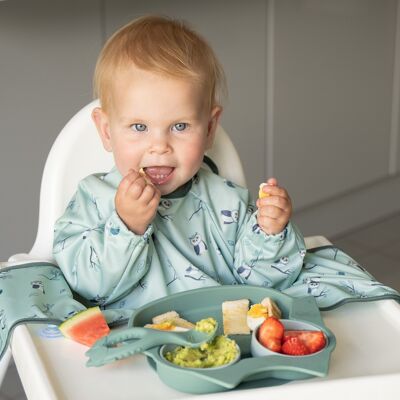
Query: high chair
47	371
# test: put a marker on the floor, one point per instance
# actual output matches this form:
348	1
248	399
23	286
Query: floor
376	247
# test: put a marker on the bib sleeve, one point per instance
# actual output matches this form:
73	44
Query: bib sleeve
268	260
99	256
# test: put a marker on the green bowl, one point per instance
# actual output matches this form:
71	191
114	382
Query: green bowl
197	304
258	350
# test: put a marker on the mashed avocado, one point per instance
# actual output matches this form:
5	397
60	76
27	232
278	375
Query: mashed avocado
206	325
220	351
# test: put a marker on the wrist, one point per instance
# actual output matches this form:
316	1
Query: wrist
138	228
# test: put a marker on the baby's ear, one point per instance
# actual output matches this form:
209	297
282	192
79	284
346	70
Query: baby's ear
100	119
213	121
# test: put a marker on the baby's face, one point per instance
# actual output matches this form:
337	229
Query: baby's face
160	124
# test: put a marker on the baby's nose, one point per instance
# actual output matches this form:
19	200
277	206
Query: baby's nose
159	144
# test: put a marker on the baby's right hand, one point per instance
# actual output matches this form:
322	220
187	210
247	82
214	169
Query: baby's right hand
136	202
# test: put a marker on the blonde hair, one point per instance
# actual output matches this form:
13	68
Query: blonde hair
164	46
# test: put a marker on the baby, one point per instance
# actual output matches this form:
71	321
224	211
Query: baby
159	222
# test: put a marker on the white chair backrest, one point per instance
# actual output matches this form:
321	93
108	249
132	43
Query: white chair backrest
78	152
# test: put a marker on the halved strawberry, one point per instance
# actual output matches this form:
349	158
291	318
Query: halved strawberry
293	346
270	334
313	340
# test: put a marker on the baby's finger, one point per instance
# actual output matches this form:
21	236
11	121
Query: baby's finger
148	193
155	200
283	203
127	181
272	182
271	212
135	190
275	191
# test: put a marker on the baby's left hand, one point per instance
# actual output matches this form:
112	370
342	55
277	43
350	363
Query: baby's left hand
274	211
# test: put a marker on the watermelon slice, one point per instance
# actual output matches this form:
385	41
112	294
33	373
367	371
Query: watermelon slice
86	327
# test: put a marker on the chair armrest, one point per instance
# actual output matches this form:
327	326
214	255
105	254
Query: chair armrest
316	241
23	258
16	259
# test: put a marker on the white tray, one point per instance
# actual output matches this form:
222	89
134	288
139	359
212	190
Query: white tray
55	368
365	363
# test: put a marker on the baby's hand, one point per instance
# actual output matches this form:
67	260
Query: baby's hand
275	209
136	202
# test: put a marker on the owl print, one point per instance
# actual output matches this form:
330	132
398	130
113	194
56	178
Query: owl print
244	271
38	285
165	205
230	216
194	273
256	229
281	266
314	287
199	245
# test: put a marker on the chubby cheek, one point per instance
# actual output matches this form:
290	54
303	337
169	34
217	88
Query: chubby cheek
192	158
125	160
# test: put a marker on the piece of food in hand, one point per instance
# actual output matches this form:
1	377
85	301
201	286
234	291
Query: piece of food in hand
143	173
313	340
270	334
293	346
234	315
261	311
86	327
261	193
173	319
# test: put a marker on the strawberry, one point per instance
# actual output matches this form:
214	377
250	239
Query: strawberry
293	346
270	334
313	340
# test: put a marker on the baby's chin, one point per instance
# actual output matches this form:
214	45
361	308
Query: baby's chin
167	189
172	186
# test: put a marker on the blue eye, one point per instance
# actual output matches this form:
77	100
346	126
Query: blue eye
139	127
180	126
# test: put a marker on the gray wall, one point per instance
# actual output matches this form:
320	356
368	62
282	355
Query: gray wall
314	97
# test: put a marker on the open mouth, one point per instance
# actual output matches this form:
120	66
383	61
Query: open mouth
159	175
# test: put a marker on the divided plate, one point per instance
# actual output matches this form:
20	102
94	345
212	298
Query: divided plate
197	304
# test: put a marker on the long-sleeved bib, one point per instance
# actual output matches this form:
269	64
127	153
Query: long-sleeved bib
203	234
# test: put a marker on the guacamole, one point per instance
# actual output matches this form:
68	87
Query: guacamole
220	351
206	325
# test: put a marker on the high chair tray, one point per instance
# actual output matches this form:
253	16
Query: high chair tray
360	365
251	371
